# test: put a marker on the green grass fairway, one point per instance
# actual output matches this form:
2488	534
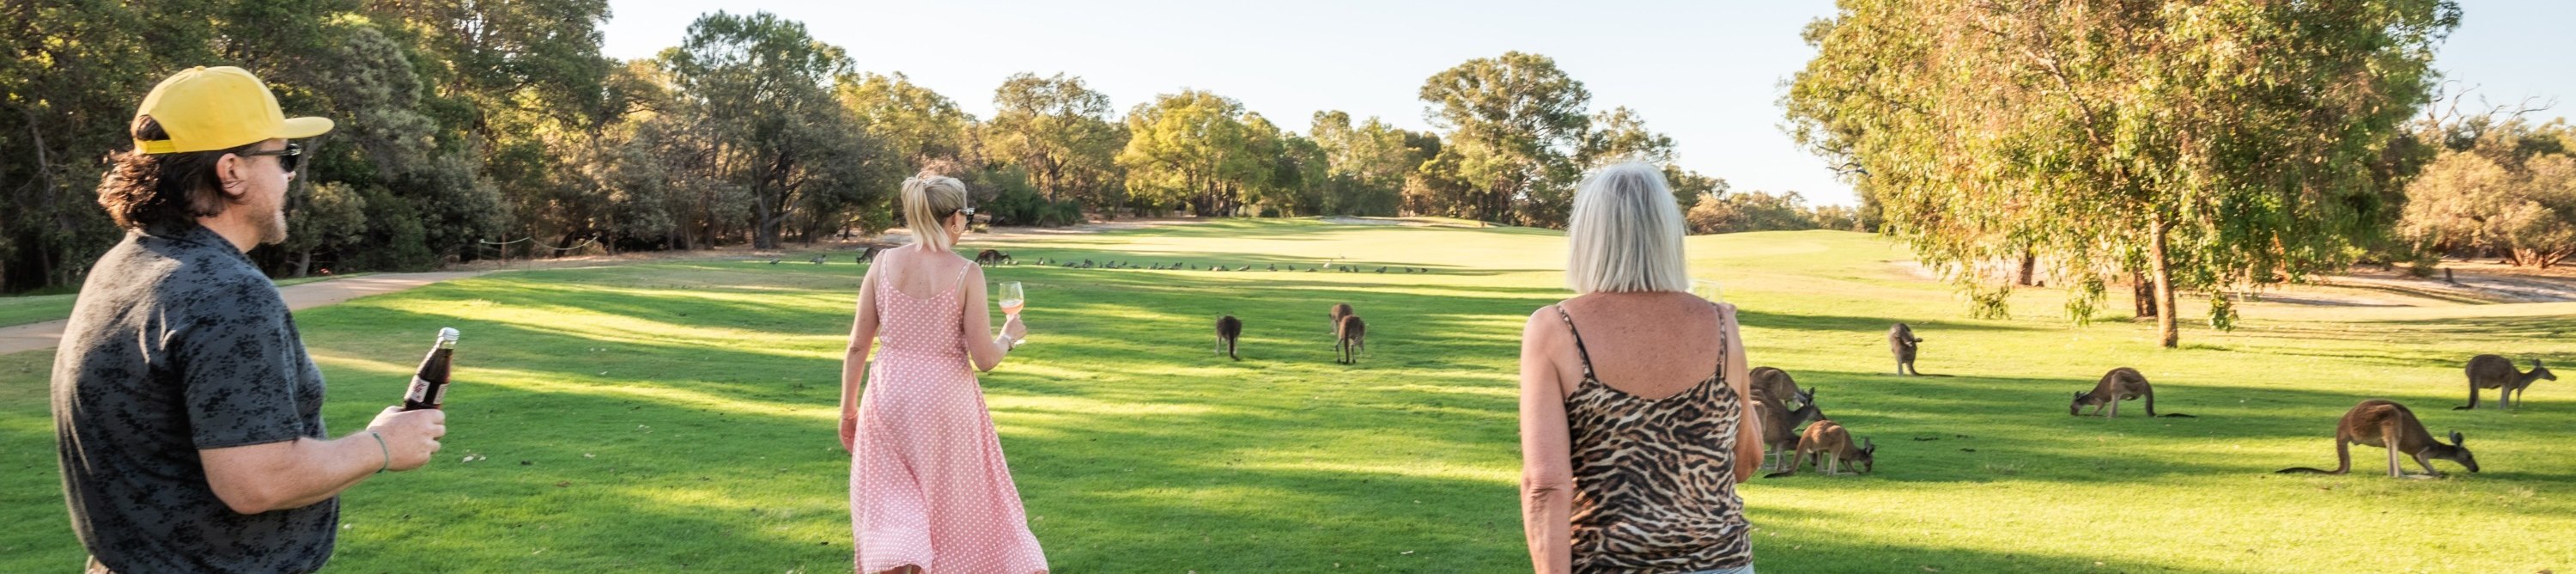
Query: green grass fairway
679	416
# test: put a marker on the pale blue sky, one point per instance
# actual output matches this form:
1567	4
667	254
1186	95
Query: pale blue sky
1707	73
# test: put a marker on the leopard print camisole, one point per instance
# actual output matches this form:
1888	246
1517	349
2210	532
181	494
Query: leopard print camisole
1654	480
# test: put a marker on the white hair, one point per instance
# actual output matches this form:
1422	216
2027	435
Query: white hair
1625	234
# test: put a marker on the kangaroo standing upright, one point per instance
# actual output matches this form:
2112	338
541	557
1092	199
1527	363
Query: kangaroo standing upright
2495	372
1351	339
1902	342
2121	384
1228	329
1340	310
1830	446
2386	424
1780	425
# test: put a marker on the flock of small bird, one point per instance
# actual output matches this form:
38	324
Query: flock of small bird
995	257
1188	266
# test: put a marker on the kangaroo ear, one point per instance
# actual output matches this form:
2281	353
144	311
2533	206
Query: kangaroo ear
2455	438
1869	445
2079	395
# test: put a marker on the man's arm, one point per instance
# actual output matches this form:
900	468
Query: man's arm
252	479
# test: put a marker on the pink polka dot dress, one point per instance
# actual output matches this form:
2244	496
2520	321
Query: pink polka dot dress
928	486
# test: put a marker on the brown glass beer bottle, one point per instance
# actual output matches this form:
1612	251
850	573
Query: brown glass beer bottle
429	384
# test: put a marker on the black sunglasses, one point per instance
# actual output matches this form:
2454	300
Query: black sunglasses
286	158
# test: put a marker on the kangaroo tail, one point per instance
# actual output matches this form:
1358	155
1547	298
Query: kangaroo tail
2177	415
2302	470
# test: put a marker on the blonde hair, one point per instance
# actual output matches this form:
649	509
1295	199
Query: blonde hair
928	200
1625	233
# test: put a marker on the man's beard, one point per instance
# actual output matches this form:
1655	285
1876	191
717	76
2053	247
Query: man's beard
272	229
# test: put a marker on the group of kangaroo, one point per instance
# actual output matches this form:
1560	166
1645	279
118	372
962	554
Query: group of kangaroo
1825	443
1350	335
2386	424
2379	423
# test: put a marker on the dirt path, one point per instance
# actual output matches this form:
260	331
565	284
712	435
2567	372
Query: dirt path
49	334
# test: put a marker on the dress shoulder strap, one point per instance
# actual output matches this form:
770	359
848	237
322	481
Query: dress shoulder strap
1579	350
1725	327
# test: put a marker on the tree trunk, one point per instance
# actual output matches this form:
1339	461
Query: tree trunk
2166	334
2029	267
2142	293
304	263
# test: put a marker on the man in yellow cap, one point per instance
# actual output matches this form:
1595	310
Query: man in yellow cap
188	414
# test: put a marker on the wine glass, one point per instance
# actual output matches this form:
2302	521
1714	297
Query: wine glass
1708	289
1012	298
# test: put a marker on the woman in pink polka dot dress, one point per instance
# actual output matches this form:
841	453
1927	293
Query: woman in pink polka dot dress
929	491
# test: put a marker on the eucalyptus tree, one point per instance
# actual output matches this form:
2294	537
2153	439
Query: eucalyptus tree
2208	146
1512	125
1061	132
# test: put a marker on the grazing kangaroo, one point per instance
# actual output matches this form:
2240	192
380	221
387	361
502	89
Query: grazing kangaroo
870	254
1771	384
2494	372
1780	425
1340	310
2390	425
1351	339
991	257
1228	330
1901	340
2121	384
1832	451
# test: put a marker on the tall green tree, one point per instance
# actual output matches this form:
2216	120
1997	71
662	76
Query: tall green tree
1194	149
1060	131
916	123
519	86
2207	146
1367	163
1512	126
759	83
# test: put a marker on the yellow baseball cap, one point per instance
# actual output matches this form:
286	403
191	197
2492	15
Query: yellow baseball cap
219	108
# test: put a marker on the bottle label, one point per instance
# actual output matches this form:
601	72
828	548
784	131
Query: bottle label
421	394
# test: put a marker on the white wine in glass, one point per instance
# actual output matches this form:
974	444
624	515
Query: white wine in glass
1707	289
1012	298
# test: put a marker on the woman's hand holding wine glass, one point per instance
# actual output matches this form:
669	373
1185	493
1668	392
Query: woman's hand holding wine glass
1012	299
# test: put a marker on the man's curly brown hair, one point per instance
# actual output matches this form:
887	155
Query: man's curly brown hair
141	189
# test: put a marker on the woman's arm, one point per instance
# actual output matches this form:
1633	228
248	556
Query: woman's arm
976	324
854	359
1748	430
1547	462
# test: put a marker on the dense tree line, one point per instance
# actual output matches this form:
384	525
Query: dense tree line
474	130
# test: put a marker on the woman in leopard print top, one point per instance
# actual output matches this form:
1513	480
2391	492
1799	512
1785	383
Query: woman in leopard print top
1629	463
